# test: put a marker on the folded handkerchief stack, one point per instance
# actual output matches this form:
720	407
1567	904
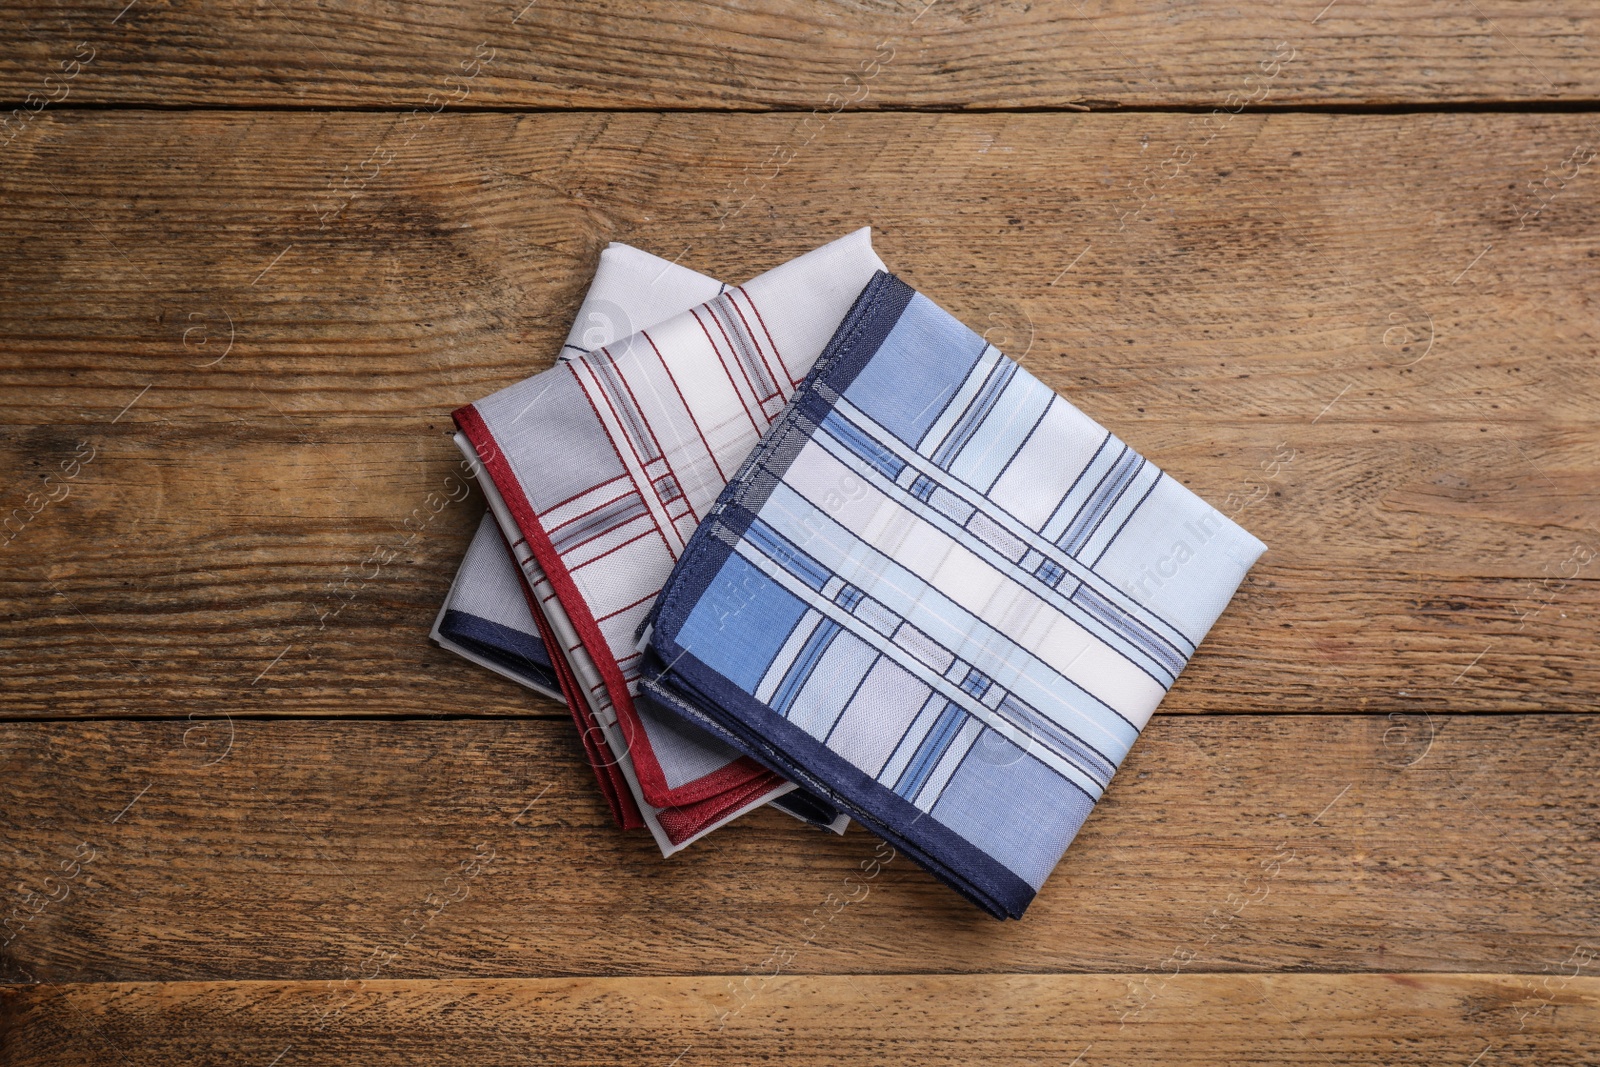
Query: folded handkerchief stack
936	595
489	616
597	472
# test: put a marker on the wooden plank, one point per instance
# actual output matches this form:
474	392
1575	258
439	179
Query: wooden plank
211	849
903	53
1198	1019
263	372
267	572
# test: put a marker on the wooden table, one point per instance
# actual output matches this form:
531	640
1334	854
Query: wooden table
1335	269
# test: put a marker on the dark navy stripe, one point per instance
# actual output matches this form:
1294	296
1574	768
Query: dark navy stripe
521	653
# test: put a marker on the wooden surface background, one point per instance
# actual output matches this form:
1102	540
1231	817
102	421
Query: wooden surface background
1332	266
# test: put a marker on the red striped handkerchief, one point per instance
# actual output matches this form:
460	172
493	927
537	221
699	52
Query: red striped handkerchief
489	616
599	470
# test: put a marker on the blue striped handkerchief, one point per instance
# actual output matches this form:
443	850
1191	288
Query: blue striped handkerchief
942	597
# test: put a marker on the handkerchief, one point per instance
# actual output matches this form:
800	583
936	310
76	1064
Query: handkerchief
489	615
485	617
598	470
942	597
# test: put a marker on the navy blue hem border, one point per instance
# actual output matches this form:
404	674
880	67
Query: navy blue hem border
802	805
789	751
514	650
689	685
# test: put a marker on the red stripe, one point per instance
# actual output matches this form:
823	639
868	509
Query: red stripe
733	350
624	544
591	511
613	785
626	607
593	488
699	432
792	380
584	389
651	430
652	780
776	378
756	426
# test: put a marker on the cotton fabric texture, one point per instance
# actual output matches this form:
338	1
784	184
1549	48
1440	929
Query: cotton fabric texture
941	597
486	617
598	471
490	616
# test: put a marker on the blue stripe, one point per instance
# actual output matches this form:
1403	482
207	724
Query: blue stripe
867	448
1109	502
521	653
1130	628
930	751
783	552
812	518
800	669
1104	495
1061	740
948	624
1004	370
1066	498
928	492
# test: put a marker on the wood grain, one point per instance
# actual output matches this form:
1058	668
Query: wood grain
1382	364
873	54
1331	270
217	849
1197	1019
274	572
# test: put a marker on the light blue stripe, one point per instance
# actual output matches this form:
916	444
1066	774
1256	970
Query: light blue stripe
791	558
994	444
916	370
1129	627
1060	740
1104	458
949	624
1074	568
857	441
1105	495
944	690
1059	596
977	412
1116	520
